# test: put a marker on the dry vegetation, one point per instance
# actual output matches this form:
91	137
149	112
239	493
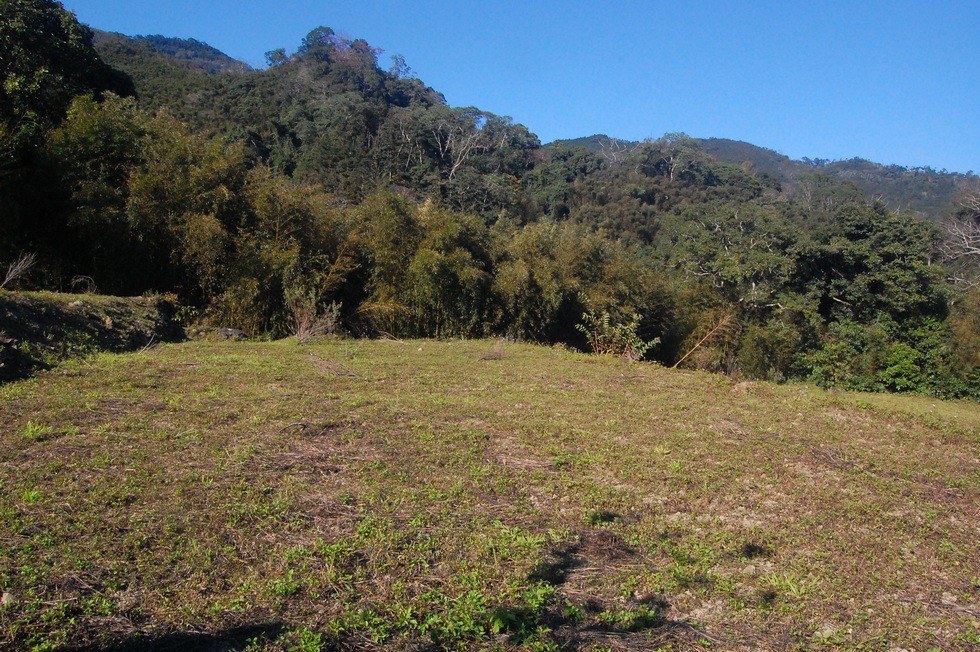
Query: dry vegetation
460	495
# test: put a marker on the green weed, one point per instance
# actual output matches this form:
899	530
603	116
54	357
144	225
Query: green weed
31	496
36	431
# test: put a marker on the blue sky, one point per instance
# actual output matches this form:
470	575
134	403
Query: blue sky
894	82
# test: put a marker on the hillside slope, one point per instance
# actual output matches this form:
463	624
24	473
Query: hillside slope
41	329
403	495
196	54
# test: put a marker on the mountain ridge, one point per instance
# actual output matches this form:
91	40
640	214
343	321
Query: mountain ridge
197	55
921	191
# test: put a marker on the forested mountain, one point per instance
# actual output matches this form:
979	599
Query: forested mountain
328	113
279	123
195	54
921	191
326	193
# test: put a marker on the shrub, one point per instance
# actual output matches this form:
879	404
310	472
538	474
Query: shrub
609	338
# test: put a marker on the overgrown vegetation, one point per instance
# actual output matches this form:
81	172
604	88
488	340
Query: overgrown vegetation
400	495
43	329
327	194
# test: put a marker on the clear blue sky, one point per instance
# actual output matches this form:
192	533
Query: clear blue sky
892	81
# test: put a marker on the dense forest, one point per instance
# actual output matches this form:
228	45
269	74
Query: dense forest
327	194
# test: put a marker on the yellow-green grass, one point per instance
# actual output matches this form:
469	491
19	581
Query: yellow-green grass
476	495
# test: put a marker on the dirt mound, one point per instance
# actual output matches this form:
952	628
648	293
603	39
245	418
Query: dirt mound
38	330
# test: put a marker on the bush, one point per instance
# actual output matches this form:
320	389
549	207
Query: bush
609	338
767	351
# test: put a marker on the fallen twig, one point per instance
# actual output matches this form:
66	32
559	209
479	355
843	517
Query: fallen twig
496	353
149	345
721	324
333	367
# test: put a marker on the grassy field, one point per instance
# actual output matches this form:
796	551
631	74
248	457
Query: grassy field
476	495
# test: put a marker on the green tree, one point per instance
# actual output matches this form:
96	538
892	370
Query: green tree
820	196
290	251
675	156
92	154
549	274
849	356
550	182
389	234
448	278
768	350
46	59
186	198
746	251
873	261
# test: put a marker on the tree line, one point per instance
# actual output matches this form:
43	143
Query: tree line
325	190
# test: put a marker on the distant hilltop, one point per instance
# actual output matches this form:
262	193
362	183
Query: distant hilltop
920	191
197	55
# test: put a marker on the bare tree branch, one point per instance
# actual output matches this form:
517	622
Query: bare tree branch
972	203
962	238
961	246
18	268
725	321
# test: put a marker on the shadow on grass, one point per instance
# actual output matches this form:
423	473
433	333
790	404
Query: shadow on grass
229	640
752	550
17	365
603	517
589	622
556	571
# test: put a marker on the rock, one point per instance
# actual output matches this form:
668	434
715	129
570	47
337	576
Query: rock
232	334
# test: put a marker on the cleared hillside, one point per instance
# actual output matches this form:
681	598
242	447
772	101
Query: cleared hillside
460	495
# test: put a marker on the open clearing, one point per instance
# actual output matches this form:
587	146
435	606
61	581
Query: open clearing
476	495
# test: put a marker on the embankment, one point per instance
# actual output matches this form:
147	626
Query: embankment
38	330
